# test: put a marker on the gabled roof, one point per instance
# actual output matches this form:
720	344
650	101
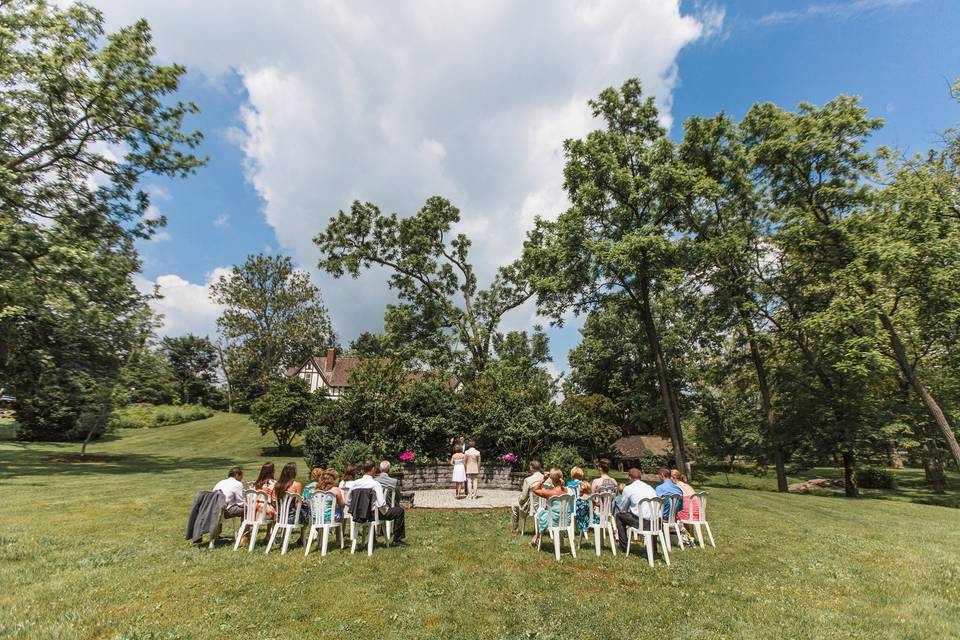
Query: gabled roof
339	376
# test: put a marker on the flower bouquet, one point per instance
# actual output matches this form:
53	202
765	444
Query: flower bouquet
509	458
407	456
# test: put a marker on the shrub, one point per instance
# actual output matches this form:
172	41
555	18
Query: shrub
876	478
351	452
562	457
140	415
651	462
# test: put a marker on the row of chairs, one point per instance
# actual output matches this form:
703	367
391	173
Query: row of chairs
658	528
322	521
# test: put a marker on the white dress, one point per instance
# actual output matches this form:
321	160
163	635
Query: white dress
459	471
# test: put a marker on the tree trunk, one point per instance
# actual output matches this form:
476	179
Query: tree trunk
933	467
850	475
900	353
86	441
663	377
226	377
767	400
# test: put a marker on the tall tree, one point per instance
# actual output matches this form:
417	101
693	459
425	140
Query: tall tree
193	362
430	270
619	236
274	319
83	115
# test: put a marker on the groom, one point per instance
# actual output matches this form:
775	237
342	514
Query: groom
473	469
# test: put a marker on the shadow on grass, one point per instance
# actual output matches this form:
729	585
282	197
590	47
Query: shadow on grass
25	463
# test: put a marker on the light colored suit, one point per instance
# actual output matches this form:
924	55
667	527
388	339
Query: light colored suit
523	504
473	470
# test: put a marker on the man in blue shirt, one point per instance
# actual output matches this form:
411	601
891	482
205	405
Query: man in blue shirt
667	488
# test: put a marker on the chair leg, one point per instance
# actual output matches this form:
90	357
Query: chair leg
310	539
573	547
340	536
353	538
665	546
286	540
610	537
699	534
596	538
556	545
710	533
324	540
628	543
273	537
253	536
648	543
372	530
238	535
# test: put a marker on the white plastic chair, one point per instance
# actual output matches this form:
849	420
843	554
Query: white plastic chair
371	525
650	529
601	506
253	517
323	510
670	523
698	506
289	506
534	502
390	498
563	522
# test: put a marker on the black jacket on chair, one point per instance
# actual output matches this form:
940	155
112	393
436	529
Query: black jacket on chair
362	504
204	515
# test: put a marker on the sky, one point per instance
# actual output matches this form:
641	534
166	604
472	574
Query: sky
309	105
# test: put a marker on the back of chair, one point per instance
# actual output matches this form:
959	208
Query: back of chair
289	502
323	508
534	502
698	506
560	510
674	505
362	505
653	509
251	500
389	496
601	505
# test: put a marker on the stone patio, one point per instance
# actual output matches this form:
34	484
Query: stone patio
444	499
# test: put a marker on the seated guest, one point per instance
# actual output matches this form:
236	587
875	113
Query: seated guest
689	506
232	489
544	515
604	482
288	483
666	489
523	503
630	512
315	475
576	479
267	484
328	483
349	477
388	483
396	514
584	508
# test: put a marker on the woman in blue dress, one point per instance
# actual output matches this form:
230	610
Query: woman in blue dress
545	517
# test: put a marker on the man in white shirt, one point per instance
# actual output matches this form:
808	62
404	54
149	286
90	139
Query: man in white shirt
630	510
232	489
396	514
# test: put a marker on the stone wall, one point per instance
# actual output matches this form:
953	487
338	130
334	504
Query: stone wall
416	476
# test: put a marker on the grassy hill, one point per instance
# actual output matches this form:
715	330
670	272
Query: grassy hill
97	551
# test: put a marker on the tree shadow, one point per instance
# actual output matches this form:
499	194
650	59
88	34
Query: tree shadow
32	463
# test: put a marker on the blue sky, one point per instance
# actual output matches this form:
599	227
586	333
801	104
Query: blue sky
301	119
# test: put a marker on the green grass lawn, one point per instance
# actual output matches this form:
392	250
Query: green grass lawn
97	551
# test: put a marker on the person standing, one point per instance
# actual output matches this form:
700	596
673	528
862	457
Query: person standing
473	469
459	471
523	503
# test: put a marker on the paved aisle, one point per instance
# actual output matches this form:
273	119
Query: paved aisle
444	499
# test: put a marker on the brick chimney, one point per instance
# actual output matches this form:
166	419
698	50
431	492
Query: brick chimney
331	358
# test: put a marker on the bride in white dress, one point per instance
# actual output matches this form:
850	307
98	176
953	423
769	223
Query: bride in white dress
459	470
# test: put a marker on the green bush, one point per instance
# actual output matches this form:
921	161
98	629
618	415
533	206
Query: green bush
351	452
141	416
651	462
876	478
563	457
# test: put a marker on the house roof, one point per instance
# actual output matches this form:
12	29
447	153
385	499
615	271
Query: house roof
343	366
630	447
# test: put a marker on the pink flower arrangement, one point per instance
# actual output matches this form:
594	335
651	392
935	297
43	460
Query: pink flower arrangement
407	456
510	458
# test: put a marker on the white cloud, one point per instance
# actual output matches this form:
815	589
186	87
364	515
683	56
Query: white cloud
395	102
834	10
185	306
222	221
161	236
